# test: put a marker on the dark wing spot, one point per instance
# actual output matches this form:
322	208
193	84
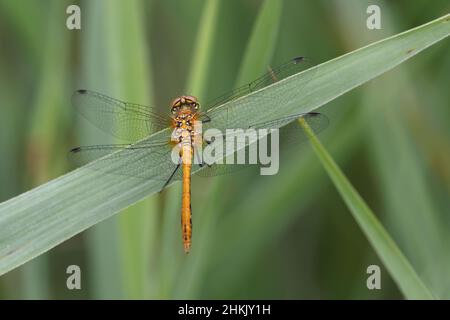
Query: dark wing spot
298	59
82	91
76	149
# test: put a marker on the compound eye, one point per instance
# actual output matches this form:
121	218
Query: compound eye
196	106
174	110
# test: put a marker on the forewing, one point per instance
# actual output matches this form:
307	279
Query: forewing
226	111
280	72
124	120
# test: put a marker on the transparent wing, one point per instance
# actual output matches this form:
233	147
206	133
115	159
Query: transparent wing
141	160
284	70
155	161
123	120
227	110
291	135
290	131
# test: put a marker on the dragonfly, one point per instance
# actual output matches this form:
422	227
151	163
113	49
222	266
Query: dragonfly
151	136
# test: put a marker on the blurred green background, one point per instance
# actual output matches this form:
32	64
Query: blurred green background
287	236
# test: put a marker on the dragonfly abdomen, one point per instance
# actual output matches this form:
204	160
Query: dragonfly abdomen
186	210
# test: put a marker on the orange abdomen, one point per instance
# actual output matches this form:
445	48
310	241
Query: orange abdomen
186	211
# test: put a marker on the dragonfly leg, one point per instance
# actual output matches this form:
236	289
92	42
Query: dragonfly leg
201	163
171	176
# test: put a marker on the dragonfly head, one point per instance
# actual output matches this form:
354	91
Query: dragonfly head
184	103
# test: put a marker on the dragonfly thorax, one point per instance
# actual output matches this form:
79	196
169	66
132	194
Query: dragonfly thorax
184	120
183	124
